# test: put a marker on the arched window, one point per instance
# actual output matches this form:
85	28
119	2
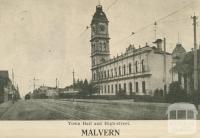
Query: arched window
124	69
112	88
104	74
93	62
108	88
111	73
119	70
101	74
94	76
125	87
136	66
130	68
116	88
115	72
120	88
136	87
143	67
130	88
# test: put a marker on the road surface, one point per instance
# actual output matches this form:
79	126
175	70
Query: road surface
49	109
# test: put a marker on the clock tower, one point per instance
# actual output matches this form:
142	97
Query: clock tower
99	37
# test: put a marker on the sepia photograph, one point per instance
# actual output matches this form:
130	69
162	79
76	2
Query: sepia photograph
99	60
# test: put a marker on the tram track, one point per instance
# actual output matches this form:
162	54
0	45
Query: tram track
9	108
82	114
52	108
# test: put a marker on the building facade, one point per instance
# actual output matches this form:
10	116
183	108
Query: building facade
139	71
7	89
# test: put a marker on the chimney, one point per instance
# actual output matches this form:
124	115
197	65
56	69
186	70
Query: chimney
158	42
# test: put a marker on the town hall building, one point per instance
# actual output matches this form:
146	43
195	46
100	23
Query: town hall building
140	71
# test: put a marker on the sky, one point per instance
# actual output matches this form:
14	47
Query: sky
47	39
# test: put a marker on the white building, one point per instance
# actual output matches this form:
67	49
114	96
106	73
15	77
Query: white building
140	71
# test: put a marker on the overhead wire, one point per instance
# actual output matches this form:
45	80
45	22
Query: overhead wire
111	5
158	20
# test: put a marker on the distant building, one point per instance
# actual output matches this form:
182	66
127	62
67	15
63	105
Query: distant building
45	92
138	71
70	90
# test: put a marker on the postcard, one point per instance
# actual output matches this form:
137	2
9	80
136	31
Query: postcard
99	68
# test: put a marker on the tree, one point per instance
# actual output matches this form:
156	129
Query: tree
87	89
92	89
176	93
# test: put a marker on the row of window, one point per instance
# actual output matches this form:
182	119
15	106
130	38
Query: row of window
119	71
100	46
110	89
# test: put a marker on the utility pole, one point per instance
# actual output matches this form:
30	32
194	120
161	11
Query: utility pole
13	78
195	55
164	75
56	82
13	83
34	83
155	30
73	73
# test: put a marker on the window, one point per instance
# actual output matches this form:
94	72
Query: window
181	114
105	89
108	88
119	70
111	72
143	87
93	62
130	68
94	76
108	74
115	71
111	88
130	87
116	89
124	87
172	114
124	69
143	67
136	87
136	67
104	74
190	114
120	87
101	89
104	47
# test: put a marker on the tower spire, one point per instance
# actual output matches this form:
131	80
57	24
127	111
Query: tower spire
99	2
155	29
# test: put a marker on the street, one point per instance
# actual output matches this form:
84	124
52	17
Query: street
49	109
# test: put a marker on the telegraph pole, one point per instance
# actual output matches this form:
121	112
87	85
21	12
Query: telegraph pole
56	82
155	30
195	55
13	83
34	83
165	85
73	73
